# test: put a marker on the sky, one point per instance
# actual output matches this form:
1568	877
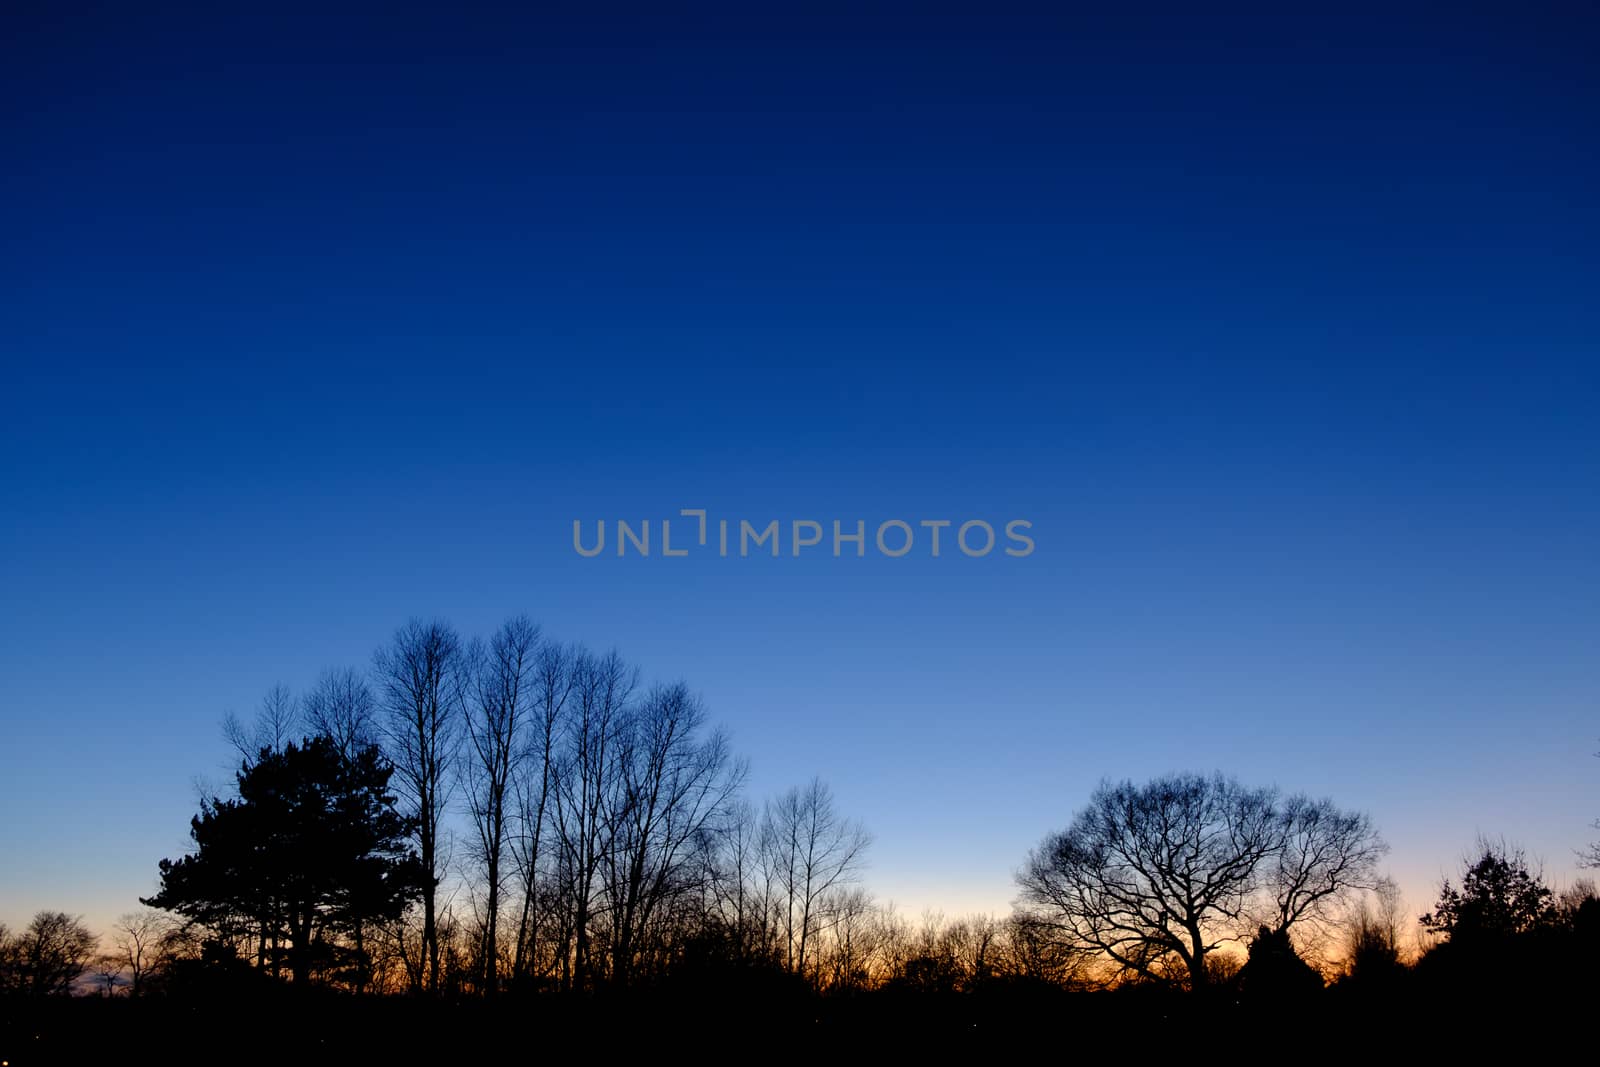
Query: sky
1277	325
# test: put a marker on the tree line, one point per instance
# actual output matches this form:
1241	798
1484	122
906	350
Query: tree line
606	832
609	845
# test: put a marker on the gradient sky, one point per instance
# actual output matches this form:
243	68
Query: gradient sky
1279	327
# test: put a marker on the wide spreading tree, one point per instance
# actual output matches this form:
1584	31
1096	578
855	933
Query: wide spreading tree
1153	878
311	851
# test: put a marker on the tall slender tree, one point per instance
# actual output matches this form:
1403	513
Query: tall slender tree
534	783
423	681
811	849
503	677
586	797
675	785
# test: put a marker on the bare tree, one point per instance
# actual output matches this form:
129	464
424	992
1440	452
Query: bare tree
894	939
1323	854
504	675
847	962
422	679
810	849
1155	878
48	956
139	943
341	706
10	969
107	971
1038	951
1372	947
739	882
534	782
674	784
588	781
275	725
1151	874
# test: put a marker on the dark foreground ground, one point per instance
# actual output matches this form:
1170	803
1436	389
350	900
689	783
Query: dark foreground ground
723	1025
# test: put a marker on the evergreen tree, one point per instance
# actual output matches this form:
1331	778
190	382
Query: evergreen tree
1499	897
312	847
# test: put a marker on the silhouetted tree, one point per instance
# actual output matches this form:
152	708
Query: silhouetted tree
1372	942
1144	874
809	848
1155	877
847	963
675	784
534	780
107	972
423	677
1577	906
739	886
1274	971
1322	854
588	798
312	845
1499	897
1037	951
341	707
139	942
46	957
8	961
276	721
502	684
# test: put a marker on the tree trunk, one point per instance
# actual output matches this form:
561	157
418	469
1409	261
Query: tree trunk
491	948
1198	979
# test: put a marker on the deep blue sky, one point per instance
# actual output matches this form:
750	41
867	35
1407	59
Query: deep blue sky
1280	327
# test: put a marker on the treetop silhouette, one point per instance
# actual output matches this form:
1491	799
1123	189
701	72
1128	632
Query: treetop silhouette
1499	897
312	844
1155	877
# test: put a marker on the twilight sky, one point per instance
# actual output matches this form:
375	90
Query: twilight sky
1280	329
